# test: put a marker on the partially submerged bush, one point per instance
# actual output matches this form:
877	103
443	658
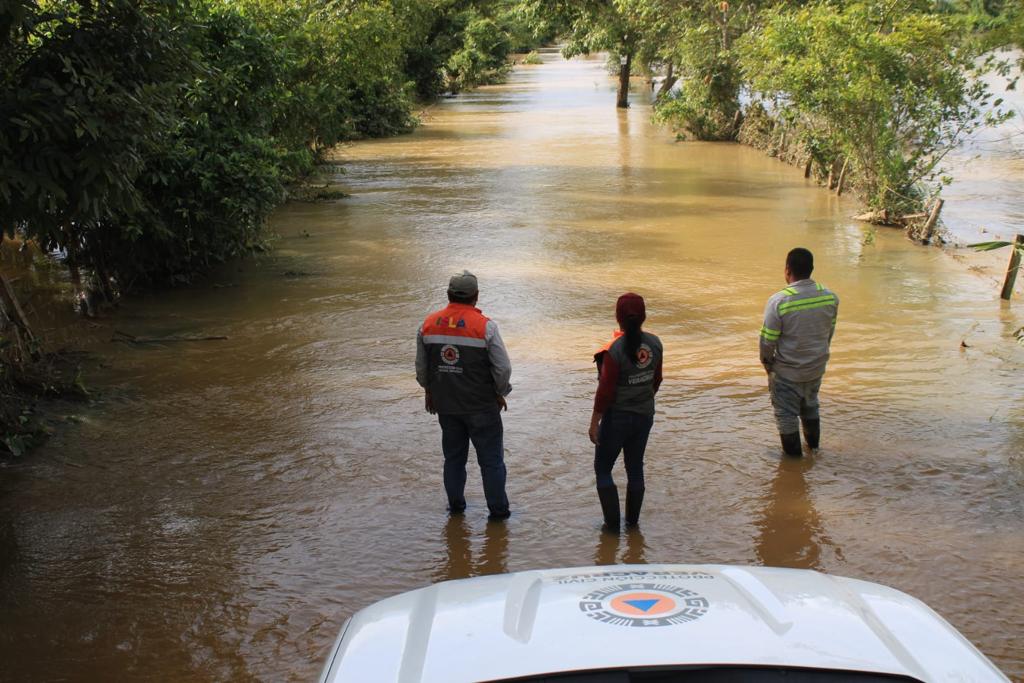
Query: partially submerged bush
888	88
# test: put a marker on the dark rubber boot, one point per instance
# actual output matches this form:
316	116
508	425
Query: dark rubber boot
812	432
500	515
634	501
456	507
609	497
791	444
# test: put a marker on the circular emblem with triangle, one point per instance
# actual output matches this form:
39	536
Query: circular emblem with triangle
644	604
643	356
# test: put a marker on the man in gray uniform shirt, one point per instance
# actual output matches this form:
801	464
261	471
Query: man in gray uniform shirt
798	326
463	367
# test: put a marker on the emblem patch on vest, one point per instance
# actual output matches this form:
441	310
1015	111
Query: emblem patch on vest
450	354
643	356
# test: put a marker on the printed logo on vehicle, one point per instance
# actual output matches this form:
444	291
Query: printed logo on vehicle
450	354
643	605
643	356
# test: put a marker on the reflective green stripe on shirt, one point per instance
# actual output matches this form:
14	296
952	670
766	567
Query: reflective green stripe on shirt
799	303
789	291
807	304
769	334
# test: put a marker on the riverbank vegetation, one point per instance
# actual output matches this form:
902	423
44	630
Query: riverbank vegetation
144	141
148	139
867	95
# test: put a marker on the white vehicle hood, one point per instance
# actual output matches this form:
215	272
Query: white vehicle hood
538	622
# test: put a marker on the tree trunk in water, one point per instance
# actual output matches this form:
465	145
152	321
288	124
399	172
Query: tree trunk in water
623	99
842	177
807	167
670	80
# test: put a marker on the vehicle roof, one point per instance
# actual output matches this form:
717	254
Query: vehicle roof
610	617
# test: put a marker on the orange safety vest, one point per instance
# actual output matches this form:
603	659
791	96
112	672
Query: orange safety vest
457	360
455	324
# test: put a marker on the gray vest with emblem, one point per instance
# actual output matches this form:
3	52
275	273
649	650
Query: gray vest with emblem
635	391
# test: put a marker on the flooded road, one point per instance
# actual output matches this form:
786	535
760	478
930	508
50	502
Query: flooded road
223	506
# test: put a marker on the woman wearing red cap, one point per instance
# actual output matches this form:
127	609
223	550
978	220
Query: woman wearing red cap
629	368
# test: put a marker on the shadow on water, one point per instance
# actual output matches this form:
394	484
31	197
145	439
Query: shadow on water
790	531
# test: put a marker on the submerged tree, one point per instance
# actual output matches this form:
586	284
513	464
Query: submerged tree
887	85
615	26
703	40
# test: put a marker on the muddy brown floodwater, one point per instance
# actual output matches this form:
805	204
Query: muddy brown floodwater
223	506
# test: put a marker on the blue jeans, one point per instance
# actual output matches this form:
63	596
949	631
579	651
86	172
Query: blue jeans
486	432
626	432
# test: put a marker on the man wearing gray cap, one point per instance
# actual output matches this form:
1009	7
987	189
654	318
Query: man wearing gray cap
463	367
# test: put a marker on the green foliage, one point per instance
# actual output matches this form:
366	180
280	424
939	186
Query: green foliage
432	37
617	26
339	73
87	90
150	139
703	36
482	57
989	246
692	40
706	104
458	44
526	24
887	85
627	29
533	58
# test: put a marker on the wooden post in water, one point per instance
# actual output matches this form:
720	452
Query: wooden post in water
807	167
933	217
1012	268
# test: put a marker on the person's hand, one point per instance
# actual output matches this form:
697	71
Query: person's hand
428	403
771	379
595	425
502	404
